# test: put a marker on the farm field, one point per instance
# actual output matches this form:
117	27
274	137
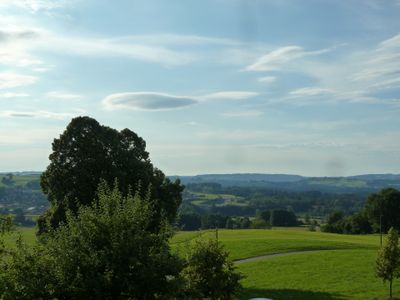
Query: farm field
343	269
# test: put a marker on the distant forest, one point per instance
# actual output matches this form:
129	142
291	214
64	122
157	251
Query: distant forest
229	198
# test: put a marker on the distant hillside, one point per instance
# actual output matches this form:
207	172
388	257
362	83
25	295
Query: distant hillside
372	177
239	178
352	184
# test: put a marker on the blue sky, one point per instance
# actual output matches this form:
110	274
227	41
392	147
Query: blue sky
223	86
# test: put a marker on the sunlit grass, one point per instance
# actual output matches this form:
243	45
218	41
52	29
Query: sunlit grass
333	274
254	242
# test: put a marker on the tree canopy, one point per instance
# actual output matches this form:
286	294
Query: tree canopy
384	206
86	153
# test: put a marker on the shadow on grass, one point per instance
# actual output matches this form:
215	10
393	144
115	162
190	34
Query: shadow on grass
286	294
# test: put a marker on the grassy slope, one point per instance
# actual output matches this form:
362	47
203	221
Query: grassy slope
248	243
333	274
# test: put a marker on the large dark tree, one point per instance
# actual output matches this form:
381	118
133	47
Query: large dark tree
384	207
88	152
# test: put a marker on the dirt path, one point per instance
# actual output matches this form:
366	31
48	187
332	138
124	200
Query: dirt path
249	259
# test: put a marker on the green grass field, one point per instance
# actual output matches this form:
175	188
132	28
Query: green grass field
255	242
28	235
343	269
333	274
21	180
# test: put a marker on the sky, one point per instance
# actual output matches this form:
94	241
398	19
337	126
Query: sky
223	86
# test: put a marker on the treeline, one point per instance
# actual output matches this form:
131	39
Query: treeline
260	198
192	221
266	219
380	212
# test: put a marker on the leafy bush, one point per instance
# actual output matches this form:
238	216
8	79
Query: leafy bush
106	251
209	274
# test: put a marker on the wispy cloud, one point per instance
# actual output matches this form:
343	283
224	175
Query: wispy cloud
243	114
280	57
16	43
63	95
37	114
310	91
357	76
13	95
380	68
229	95
12	80
267	79
35	6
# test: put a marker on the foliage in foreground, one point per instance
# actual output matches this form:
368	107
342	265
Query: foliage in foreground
106	251
388	261
109	251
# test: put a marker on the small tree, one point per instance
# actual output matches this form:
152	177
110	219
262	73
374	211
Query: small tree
388	261
209	274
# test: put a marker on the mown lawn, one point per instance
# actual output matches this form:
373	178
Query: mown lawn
331	274
249	243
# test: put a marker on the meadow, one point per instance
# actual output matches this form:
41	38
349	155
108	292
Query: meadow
343	269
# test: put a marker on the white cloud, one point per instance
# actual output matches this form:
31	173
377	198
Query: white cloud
310	91
229	95
12	79
380	68
13	95
63	95
277	59
368	76
36	114
267	79
243	114
16	42
35	6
